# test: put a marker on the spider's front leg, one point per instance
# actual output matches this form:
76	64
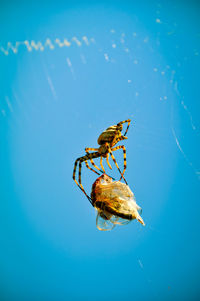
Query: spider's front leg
121	122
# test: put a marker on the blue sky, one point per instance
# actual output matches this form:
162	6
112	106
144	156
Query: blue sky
69	70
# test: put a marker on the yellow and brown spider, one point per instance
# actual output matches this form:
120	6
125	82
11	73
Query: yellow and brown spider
107	140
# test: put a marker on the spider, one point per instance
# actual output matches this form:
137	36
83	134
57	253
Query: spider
107	140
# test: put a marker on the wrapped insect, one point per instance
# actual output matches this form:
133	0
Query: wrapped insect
115	203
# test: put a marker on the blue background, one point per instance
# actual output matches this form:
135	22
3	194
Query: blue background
137	60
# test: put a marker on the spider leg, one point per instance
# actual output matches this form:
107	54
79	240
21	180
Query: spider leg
100	169
101	163
79	179
120	139
87	165
124	153
107	160
111	154
80	160
92	162
74	175
87	149
128	121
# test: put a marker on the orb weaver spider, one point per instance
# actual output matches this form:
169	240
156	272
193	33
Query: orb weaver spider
107	140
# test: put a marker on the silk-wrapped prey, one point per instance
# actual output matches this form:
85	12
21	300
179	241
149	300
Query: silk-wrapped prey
115	203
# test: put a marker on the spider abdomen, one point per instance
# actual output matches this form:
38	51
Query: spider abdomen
109	135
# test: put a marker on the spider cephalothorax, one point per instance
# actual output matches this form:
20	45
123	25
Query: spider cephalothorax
107	140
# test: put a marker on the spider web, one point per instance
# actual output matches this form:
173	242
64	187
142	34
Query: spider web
63	90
